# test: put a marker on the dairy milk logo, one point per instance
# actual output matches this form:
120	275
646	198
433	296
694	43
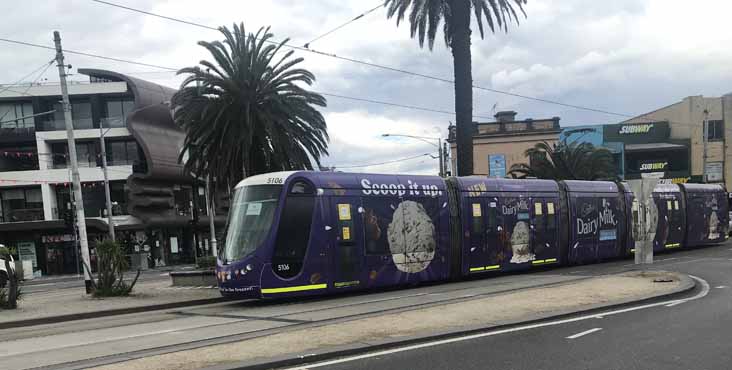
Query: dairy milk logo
607	216
635	129
521	205
412	188
587	222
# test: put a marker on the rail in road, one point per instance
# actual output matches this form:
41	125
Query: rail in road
90	342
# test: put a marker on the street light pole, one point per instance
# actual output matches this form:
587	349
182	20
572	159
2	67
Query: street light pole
106	182
427	140
706	138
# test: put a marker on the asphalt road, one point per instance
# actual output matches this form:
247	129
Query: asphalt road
696	334
692	334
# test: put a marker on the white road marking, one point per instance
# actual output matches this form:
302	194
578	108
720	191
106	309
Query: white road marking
577	272
705	290
582	334
720	287
702	294
675	303
668	259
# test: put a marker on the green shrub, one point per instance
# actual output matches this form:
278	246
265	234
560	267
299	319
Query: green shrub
208	262
112	264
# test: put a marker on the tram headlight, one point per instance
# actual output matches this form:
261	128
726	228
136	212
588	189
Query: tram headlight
249	267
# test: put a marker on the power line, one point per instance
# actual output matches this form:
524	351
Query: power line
413	107
382	163
47	66
322	93
381	5
374	65
8	86
85	54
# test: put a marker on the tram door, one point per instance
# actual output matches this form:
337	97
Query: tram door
544	230
676	223
348	256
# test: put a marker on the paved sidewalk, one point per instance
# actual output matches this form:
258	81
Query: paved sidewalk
497	310
59	305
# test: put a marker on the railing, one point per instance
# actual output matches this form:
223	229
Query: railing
113	122
60	125
501	128
23	215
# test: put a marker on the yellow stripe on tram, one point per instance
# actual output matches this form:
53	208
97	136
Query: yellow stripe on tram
494	267
294	289
543	262
477	269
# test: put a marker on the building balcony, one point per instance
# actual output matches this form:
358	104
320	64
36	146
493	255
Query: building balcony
23	215
60	125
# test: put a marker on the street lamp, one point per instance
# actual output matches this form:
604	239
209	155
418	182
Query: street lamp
428	140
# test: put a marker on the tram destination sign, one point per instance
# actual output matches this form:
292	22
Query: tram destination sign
637	133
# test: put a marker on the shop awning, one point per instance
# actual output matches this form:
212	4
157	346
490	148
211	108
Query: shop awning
653	147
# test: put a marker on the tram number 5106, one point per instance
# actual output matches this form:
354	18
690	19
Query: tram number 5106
275	180
283	267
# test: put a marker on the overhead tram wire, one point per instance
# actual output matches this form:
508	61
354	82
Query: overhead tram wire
46	65
374	65
383	163
322	93
44	68
381	5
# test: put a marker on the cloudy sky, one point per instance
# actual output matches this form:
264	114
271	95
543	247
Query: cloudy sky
624	56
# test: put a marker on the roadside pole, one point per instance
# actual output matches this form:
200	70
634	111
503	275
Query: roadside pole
106	182
442	159
80	216
211	215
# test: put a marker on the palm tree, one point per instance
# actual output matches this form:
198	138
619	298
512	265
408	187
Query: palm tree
425	17
249	111
565	161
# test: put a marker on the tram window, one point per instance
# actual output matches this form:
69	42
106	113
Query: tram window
492	217
301	187
293	235
550	216
539	218
477	224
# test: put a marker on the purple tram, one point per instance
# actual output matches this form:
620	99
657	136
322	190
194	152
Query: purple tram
313	233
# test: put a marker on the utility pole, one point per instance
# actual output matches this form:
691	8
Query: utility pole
211	214
442	159
106	182
706	138
446	158
80	216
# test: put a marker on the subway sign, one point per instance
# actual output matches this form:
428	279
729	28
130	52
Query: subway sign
653	166
635	129
637	133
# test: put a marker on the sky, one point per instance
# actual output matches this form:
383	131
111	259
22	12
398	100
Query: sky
622	56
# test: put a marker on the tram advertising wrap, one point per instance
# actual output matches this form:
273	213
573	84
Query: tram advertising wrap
308	233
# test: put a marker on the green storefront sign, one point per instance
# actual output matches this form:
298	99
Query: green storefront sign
637	133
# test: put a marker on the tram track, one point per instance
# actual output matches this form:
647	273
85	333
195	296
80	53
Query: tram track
291	324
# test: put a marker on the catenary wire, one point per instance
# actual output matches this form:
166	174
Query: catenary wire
47	66
382	163
375	65
381	5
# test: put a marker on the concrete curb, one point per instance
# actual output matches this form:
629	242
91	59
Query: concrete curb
687	285
114	312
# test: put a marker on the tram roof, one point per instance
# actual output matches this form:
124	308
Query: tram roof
492	184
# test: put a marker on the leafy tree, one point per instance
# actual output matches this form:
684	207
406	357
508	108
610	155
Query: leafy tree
425	17
566	161
248	111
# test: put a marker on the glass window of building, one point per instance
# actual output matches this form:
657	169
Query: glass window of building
19	158
715	130
117	111
122	153
86	154
81	113
16	115
21	204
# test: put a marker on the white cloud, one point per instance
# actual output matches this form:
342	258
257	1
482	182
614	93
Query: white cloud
622	55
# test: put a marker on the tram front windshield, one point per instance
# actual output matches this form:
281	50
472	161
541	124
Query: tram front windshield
250	219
